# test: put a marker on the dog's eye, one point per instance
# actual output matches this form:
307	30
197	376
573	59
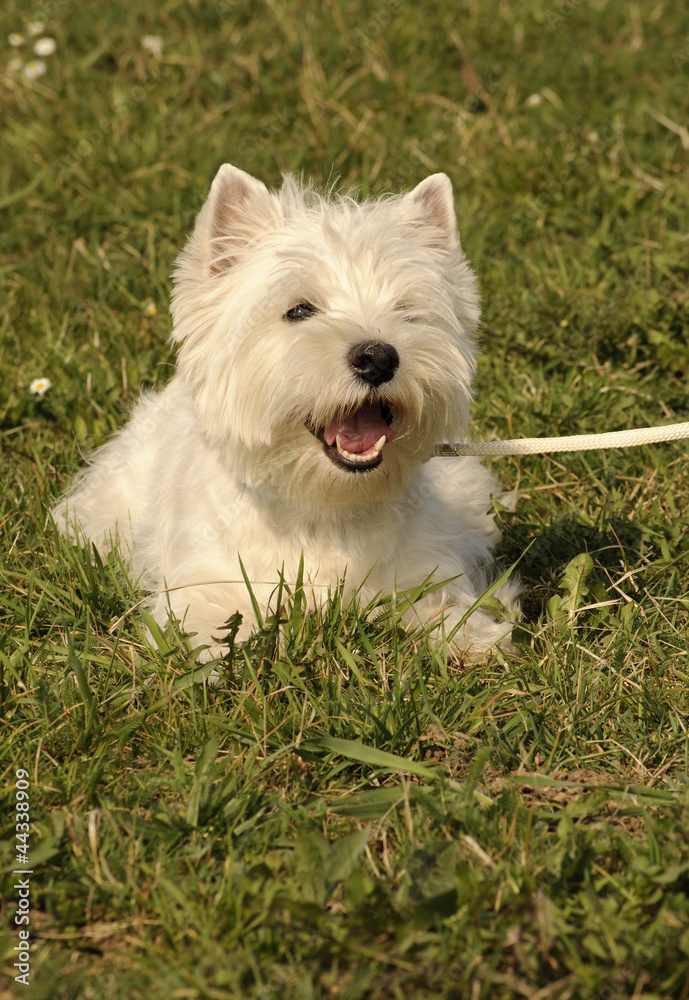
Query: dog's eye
299	312
404	307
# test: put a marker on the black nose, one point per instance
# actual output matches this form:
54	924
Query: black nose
374	362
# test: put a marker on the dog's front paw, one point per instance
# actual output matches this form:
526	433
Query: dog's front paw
471	637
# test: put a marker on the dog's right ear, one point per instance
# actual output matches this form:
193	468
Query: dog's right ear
239	207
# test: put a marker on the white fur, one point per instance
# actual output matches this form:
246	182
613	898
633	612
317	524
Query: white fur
220	465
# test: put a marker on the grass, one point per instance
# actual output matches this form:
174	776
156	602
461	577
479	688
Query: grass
346	816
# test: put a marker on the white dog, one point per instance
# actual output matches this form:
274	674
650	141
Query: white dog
325	347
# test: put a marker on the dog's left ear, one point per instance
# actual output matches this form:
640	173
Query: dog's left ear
435	199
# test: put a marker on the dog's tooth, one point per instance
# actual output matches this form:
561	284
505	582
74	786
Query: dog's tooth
361	459
344	452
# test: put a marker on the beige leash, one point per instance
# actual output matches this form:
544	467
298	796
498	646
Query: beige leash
576	442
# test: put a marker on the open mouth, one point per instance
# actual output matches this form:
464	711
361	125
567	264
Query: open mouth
355	441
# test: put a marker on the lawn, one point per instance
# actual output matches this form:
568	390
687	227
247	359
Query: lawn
345	815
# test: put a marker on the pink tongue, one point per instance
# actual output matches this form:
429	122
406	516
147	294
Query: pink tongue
359	431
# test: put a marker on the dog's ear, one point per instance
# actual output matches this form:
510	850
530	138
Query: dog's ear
435	199
239	207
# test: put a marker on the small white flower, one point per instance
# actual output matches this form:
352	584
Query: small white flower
45	46
150	307
15	39
152	43
40	386
533	100
14	65
35	28
35	68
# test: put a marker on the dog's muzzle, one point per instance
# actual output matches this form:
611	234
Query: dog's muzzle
354	440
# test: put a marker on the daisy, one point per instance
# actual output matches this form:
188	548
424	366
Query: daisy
34	69
15	39
45	46
533	100
40	386
35	28
150	307
152	43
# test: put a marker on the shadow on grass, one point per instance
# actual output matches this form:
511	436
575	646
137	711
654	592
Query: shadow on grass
616	545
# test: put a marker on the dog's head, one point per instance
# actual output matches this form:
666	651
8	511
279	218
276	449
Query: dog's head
329	343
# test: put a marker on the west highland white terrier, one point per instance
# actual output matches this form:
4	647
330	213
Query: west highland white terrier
326	346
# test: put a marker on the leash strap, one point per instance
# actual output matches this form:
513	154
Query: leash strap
576	442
